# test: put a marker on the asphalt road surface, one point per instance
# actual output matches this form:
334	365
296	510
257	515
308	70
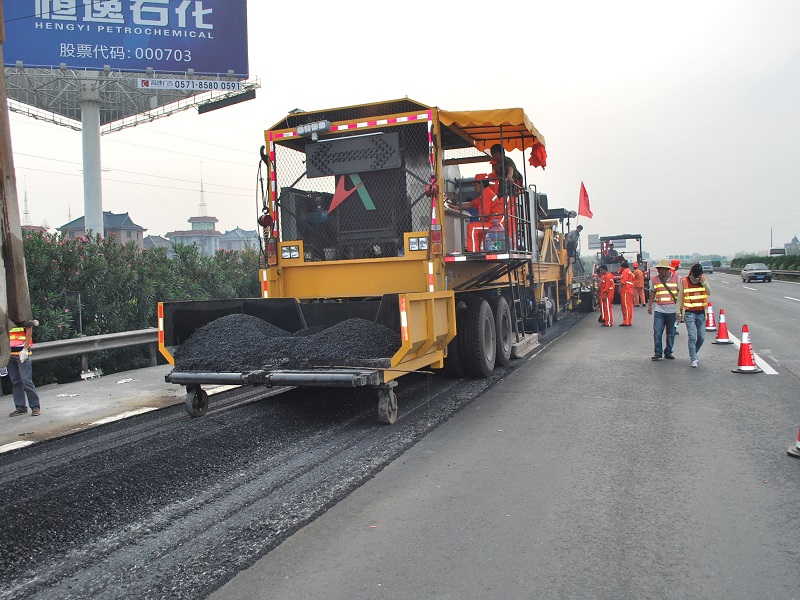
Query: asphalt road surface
165	506
587	471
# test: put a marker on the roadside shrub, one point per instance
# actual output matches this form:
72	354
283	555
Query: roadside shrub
94	285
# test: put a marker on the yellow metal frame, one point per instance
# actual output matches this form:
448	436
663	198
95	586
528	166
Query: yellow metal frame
296	278
428	324
161	347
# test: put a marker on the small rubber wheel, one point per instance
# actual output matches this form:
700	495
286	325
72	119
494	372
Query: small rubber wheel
387	407
196	402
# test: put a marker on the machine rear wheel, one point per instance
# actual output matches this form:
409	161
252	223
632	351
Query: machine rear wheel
503	330
387	406
196	402
480	342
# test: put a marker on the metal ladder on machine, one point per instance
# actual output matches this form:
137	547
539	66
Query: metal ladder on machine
518	307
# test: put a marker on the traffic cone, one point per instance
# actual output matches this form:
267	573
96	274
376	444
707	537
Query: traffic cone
795	450
722	333
711	324
747	361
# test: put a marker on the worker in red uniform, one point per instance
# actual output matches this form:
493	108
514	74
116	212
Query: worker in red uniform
606	295
626	294
638	286
490	209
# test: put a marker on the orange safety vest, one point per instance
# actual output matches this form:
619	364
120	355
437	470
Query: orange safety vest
695	298
662	291
17	337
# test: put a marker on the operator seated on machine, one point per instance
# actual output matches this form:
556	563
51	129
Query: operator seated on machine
490	209
612	255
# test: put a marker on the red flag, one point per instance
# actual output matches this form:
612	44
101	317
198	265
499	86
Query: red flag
583	203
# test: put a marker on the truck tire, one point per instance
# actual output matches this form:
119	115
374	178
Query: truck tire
503	331
587	302
453	363
552	293
479	344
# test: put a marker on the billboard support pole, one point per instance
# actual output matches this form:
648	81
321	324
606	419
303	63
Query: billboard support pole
92	177
15	299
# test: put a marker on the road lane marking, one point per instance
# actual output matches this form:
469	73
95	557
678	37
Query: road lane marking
790	298
725	282
749	288
221	388
125	415
14	446
764	365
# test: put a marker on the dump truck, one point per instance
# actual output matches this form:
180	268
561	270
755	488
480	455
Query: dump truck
613	260
362	220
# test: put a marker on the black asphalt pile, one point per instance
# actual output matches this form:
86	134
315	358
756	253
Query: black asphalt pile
240	343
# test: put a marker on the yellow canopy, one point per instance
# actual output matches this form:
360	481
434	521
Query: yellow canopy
486	126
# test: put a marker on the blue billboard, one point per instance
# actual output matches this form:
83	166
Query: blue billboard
169	36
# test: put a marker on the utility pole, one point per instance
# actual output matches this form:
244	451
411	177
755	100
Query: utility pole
15	299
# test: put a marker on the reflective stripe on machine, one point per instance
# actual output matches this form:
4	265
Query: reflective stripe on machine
403	319
160	323
262	275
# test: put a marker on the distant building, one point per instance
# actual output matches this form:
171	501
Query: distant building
156	241
203	234
120	226
793	247
239	239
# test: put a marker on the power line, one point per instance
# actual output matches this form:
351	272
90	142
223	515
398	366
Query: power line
71	162
115	141
108	180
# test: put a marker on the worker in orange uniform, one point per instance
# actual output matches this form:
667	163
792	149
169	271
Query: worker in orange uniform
638	286
606	295
626	294
490	209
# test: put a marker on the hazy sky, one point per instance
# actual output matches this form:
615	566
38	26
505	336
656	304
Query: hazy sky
681	119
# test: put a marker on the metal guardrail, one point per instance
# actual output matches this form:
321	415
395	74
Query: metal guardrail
83	346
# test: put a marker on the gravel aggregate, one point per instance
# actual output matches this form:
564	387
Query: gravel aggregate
166	506
240	343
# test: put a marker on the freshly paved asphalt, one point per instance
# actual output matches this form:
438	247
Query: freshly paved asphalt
591	472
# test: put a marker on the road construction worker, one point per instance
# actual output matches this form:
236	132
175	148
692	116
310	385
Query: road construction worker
572	239
626	294
675	264
664	292
638	286
21	372
506	171
490	210
606	296
691	308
